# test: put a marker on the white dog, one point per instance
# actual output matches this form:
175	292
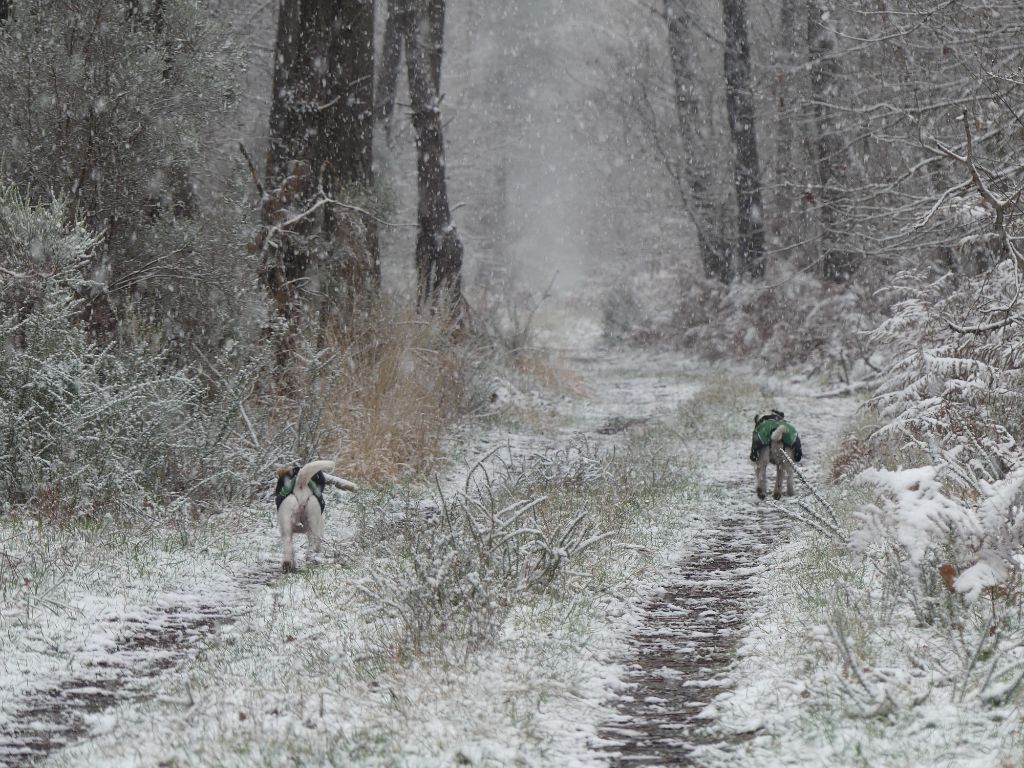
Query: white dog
300	505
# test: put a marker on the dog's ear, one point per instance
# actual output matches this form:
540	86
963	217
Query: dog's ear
778	414
282	471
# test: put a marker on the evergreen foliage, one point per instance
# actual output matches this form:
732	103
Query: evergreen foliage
87	428
108	105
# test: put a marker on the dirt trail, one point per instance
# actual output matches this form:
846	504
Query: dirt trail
685	644
681	653
61	712
683	650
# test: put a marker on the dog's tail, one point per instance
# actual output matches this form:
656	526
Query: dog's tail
310	469
341	483
777	434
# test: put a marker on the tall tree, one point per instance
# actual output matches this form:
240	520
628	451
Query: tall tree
398	21
696	166
320	149
439	247
396	25
786	169
345	147
739	102
837	264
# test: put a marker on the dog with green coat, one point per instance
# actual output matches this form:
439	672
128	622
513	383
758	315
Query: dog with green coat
777	442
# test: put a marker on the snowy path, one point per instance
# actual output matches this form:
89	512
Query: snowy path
63	709
684	647
107	679
683	650
51	717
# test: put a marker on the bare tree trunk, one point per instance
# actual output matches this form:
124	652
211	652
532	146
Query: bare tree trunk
739	102
398	23
696	169
439	248
344	145
786	60
344	116
321	132
396	27
435	25
288	250
286	106
830	154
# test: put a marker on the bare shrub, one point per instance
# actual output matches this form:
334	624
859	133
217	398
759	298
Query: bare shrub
86	428
449	570
401	382
378	397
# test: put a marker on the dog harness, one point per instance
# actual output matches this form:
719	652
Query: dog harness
763	435
286	484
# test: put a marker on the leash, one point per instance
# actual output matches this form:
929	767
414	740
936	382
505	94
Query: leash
830	525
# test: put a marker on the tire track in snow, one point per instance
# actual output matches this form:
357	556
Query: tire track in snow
62	712
685	644
683	650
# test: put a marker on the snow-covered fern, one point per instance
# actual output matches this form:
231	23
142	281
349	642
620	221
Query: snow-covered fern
953	392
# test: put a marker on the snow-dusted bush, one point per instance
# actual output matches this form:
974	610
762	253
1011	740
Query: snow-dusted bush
622	316
108	104
949	389
84	428
793	318
953	393
448	571
982	535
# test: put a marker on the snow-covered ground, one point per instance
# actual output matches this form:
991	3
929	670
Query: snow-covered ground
297	656
184	646
294	666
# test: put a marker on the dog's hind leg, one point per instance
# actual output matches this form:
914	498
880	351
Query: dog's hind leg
762	472
285	514
779	459
314	525
790	471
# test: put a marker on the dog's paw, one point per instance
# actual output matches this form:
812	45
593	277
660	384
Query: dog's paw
777	495
760	494
287	566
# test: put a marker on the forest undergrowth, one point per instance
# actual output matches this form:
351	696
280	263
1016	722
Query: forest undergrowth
458	620
898	613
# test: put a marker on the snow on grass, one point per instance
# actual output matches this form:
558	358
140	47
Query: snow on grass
858	655
72	594
311	670
891	700
305	676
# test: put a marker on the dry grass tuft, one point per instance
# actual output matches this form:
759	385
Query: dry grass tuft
400	383
551	372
